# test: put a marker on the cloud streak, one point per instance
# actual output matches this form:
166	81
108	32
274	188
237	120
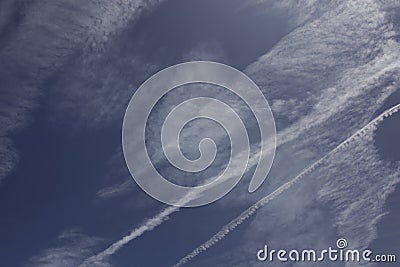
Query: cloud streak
49	33
75	246
366	130
101	258
149	224
339	94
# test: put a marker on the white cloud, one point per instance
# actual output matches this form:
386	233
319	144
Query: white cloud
339	69
335	71
337	172
74	247
102	258
117	189
48	34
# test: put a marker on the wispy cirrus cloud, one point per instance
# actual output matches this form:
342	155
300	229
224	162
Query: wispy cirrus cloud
116	189
34	47
340	94
345	61
337	188
74	246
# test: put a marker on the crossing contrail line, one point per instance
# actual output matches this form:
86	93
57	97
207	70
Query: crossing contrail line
252	209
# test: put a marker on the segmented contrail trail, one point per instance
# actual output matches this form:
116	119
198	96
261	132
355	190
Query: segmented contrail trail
157	220
252	209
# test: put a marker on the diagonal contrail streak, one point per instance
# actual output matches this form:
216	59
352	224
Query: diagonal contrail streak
149	225
252	209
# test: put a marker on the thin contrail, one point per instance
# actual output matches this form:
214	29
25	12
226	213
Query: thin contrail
158	219
252	209
149	225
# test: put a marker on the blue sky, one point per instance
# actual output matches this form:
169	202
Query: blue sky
69	68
